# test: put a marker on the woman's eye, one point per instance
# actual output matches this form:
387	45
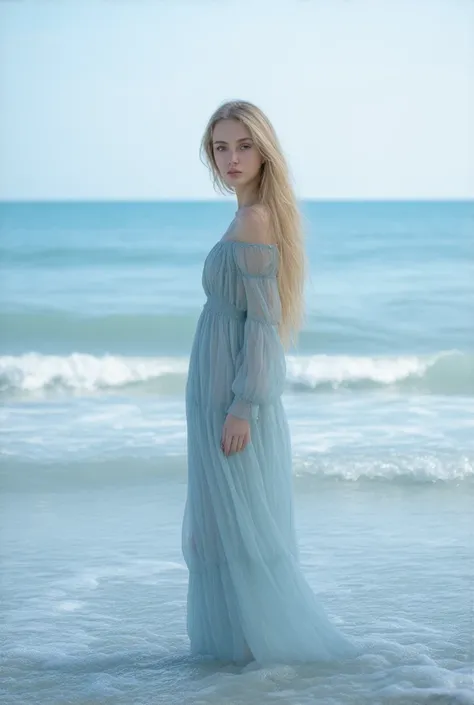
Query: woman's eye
220	147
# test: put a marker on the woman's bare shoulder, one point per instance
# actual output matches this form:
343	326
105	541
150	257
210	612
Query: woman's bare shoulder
253	225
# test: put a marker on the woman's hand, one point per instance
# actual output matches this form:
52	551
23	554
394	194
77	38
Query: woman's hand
235	435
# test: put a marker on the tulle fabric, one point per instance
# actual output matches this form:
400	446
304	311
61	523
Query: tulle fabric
247	595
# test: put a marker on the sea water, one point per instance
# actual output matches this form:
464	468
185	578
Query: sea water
99	302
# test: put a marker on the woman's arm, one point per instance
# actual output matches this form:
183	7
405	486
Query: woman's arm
260	377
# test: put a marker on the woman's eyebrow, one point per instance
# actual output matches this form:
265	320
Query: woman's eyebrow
242	139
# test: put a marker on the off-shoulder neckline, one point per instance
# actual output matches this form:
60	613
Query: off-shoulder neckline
248	244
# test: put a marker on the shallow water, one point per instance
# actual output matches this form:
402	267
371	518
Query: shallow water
94	592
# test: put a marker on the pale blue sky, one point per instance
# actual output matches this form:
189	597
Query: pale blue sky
108	99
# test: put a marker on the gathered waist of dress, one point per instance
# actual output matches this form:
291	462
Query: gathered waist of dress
219	305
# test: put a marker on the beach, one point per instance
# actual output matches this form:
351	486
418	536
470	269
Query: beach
99	306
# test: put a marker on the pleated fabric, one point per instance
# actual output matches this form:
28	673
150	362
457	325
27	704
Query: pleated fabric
247	596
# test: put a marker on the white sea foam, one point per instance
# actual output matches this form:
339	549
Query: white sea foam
450	372
80	372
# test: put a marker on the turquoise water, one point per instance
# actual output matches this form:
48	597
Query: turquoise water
125	278
98	308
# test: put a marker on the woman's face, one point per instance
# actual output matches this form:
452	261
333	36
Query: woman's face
235	153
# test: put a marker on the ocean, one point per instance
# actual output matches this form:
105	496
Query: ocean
99	303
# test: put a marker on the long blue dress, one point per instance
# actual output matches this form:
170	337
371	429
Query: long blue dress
247	595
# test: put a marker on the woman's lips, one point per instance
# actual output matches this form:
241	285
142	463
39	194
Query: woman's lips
233	173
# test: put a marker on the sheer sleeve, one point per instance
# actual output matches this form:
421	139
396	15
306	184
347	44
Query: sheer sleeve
260	375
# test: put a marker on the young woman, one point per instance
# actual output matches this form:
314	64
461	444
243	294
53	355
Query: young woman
247	596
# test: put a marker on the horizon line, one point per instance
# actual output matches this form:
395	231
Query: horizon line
445	199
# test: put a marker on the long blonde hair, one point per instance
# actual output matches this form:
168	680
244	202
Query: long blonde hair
275	192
